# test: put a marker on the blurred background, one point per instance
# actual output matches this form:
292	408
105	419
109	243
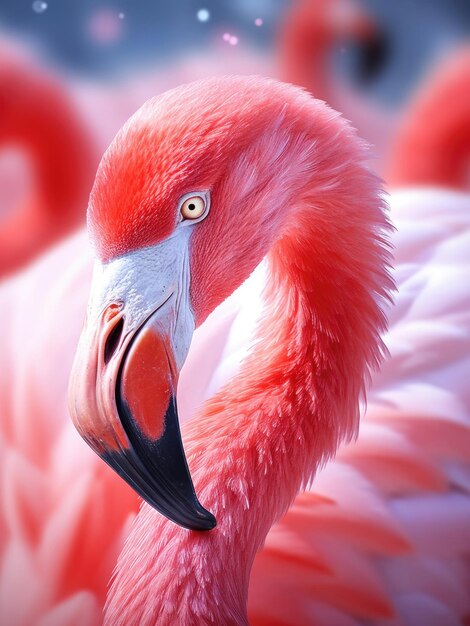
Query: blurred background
71	73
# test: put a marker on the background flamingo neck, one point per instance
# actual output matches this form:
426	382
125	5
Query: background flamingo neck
38	119
304	47
437	152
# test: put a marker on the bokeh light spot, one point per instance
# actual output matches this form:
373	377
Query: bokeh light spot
39	6
203	15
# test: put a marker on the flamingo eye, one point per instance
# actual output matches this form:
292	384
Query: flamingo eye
193	208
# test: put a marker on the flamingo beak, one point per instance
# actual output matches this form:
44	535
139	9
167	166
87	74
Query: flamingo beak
122	392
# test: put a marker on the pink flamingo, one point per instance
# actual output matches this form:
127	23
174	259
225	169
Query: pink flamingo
363	545
38	117
433	145
272	424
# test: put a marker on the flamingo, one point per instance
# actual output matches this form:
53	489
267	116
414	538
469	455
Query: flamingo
361	544
433	145
254	444
40	119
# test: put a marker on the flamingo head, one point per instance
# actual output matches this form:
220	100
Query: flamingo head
186	202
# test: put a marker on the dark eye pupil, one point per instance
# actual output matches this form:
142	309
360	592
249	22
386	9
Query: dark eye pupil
191	206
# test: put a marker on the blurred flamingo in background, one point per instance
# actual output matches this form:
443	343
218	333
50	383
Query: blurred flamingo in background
432	147
40	120
309	35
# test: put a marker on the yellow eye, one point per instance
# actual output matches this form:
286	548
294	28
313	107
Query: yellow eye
193	207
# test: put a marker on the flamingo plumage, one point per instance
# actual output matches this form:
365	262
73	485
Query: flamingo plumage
354	552
279	167
40	119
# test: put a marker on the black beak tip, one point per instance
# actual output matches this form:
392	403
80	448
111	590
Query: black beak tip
158	471
187	512
204	522
181	507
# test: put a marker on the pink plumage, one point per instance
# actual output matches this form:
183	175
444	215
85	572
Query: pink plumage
283	184
361	544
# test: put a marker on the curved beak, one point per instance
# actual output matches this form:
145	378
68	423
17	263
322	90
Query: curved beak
122	391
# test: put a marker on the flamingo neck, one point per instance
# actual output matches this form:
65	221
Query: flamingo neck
433	147
261	438
38	118
304	47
